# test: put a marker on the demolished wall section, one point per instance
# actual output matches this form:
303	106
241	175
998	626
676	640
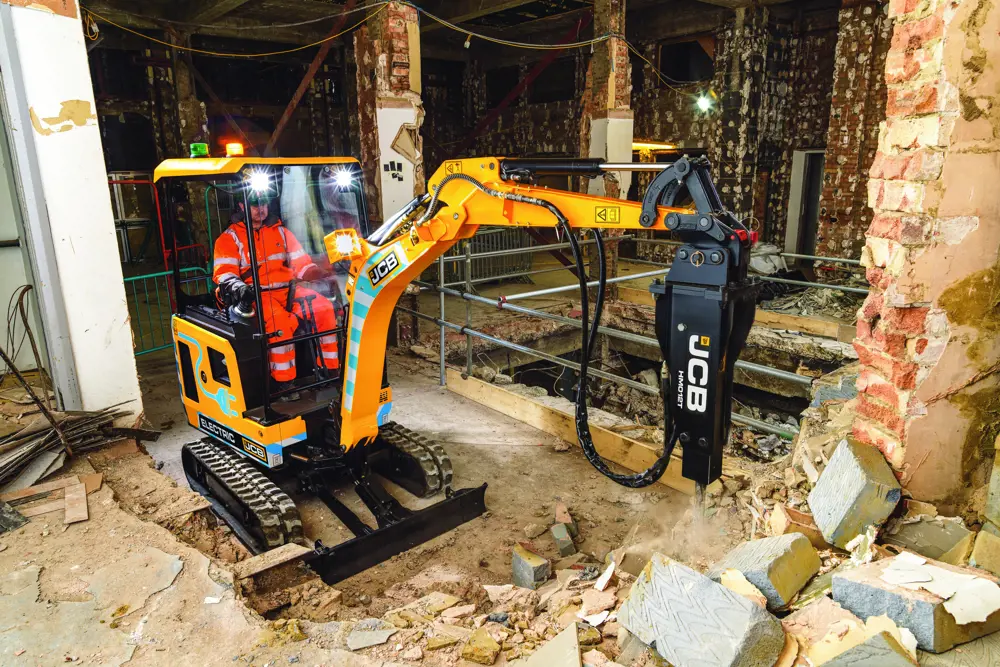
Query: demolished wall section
927	332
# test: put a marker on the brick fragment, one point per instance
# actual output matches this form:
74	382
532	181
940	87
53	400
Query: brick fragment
778	566
563	516
726	630
856	490
529	570
564	541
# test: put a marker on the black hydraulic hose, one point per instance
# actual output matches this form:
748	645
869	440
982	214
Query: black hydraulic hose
655	471
588	334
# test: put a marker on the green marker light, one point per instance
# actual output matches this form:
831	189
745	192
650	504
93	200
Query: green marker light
199	150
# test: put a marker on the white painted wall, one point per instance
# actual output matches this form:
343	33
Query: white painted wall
49	102
397	191
611	139
13	269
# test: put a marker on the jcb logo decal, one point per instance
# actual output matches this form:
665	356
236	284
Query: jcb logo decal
697	371
254	450
383	268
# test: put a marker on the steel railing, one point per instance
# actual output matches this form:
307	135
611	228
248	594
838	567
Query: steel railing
150	300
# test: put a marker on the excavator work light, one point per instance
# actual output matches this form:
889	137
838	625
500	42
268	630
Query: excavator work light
234	149
343	244
343	178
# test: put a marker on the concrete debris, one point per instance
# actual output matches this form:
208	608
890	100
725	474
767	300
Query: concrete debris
594	619
736	582
462	611
856	490
502	379
564	540
588	635
413	654
481	648
942	605
562	651
728	630
813	622
484	373
916	508
370	632
440	641
939	538
594	658
533	530
784	520
605	578
986	553
778	566
563	516
631	648
594	601
529	569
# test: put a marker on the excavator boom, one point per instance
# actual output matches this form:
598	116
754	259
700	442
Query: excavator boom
704	307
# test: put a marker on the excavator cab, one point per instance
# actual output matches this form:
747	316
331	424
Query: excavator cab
260	345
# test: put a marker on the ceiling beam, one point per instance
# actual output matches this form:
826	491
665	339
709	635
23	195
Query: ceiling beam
210	12
460	11
738	4
231	28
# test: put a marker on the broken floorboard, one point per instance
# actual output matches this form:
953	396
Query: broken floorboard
269	559
614	447
817	326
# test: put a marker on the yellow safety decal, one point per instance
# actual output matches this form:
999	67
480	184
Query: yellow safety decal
608	215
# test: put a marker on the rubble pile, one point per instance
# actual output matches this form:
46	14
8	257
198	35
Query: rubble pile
819	301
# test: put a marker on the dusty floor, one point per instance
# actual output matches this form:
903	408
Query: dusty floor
137	517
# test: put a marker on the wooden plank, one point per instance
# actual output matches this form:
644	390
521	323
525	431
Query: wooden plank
612	446
273	558
641	297
810	325
44	508
76	504
40	489
92	481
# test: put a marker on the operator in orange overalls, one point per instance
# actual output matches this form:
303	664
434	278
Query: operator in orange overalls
280	260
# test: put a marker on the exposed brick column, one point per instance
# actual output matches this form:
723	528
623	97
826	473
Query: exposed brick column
389	102
193	124
857	109
927	334
743	54
606	122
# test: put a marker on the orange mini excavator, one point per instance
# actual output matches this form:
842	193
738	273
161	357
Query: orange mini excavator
260	450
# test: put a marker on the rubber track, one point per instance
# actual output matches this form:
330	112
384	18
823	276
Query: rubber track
395	436
276	513
410	441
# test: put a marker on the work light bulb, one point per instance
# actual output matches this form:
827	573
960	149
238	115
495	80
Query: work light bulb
704	103
343	178
259	182
345	244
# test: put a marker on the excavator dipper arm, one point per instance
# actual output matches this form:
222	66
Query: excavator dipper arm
704	307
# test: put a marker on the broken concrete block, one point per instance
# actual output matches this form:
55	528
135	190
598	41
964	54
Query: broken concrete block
986	553
630	647
813	623
564	541
564	517
595	601
481	648
946	540
529	569
856	490
561	651
370	632
695	621
588	635
784	520
778	566
736	582
533	530
881	650
942	605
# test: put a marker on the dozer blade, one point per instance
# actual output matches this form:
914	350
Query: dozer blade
337	563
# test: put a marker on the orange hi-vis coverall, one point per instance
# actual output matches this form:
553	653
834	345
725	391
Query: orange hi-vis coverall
280	259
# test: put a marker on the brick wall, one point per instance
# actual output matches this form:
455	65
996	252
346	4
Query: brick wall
927	333
858	106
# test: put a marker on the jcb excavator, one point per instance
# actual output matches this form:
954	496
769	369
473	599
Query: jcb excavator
338	428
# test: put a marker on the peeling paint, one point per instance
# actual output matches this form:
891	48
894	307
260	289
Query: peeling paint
67	8
72	114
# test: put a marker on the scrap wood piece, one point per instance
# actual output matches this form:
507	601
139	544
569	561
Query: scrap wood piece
44	508
269	559
135	433
92	481
39	489
76	504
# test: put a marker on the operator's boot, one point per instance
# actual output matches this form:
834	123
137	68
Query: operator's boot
290	396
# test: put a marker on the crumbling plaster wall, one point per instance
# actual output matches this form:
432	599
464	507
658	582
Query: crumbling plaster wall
927	333
857	109
773	78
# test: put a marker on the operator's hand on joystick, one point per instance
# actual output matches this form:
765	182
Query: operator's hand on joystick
316	273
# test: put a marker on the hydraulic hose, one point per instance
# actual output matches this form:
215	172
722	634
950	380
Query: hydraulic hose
588	334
